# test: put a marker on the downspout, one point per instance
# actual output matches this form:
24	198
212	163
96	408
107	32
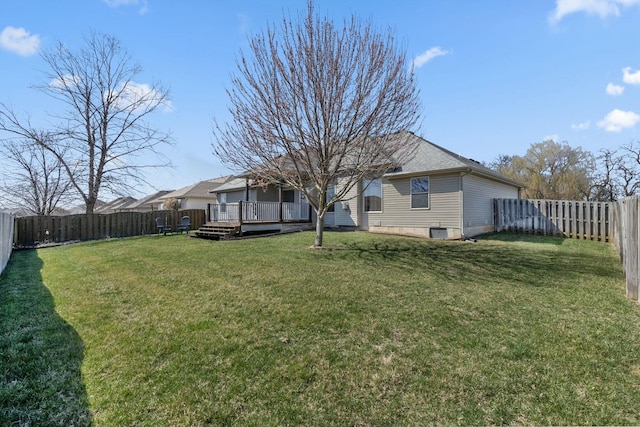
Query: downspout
461	215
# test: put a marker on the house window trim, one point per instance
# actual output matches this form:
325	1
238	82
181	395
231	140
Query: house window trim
364	209
222	202
331	192
428	193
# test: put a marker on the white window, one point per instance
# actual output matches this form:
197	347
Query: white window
372	195
420	193
222	200
331	192
288	196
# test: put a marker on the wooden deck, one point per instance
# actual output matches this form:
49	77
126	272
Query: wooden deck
223	230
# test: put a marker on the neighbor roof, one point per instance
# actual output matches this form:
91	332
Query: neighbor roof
146	200
199	189
114	205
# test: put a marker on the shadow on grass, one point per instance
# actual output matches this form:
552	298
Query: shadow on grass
41	354
517	237
540	264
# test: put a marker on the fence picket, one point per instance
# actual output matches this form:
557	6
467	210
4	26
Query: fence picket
631	264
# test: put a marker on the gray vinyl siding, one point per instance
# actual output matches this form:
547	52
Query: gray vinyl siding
477	200
346	211
443	211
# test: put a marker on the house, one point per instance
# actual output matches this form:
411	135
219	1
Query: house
114	206
199	195
436	194
149	203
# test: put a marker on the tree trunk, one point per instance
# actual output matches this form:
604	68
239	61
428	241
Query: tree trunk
319	231
90	206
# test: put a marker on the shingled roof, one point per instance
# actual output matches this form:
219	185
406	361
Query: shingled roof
430	158
199	189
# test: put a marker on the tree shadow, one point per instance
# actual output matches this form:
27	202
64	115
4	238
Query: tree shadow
519	237
41	354
532	266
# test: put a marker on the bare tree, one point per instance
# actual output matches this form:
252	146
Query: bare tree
618	172
607	180
316	102
629	168
102	139
34	178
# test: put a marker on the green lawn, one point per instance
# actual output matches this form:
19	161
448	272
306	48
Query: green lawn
379	330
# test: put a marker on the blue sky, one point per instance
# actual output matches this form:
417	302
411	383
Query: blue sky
495	76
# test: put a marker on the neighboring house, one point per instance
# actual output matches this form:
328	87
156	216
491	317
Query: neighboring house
17	212
146	204
114	205
199	195
437	194
82	209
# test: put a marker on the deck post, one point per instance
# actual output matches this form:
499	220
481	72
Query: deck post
280	201
240	212
280	212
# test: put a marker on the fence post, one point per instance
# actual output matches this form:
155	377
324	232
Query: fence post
631	264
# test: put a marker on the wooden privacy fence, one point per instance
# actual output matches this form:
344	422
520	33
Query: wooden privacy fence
574	219
6	239
626	238
615	222
33	230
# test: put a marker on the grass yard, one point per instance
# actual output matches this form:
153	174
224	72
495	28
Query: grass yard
380	330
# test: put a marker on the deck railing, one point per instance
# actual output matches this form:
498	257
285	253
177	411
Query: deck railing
259	212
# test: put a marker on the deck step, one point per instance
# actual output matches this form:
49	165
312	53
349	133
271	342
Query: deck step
217	231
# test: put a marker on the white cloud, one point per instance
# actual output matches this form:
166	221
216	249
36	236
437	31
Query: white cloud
614	90
18	40
427	56
601	8
581	126
244	22
67	80
629	77
141	95
135	96
144	7
617	120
